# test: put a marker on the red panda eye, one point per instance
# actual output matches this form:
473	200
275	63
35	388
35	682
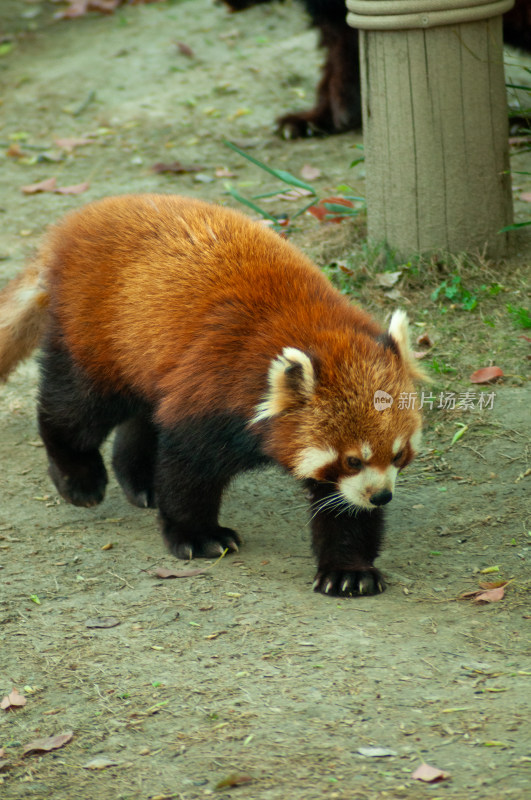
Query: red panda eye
399	456
354	463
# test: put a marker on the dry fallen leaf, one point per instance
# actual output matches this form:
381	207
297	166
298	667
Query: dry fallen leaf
51	743
15	151
233	780
185	49
13	700
100	762
69	143
429	774
486	375
48	185
223	172
77	188
387	279
424	340
376	752
164	572
309	173
78	8
289	194
176	167
489	593
102	622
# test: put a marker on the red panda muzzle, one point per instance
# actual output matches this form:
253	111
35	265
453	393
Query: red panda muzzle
212	346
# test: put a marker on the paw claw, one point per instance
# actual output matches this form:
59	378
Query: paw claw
349	583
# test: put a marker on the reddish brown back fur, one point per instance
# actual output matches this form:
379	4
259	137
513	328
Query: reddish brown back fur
152	291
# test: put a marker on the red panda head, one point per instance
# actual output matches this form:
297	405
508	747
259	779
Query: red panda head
346	415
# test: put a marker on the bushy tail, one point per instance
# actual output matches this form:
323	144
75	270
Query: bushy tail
23	315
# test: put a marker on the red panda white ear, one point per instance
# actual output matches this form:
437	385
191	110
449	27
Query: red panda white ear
291	382
399	333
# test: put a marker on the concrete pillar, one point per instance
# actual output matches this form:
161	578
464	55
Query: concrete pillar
435	123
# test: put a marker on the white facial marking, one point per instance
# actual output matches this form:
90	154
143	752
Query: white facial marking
312	459
366	451
357	489
398	445
416	440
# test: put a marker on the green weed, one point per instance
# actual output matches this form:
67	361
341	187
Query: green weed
453	290
521	316
332	208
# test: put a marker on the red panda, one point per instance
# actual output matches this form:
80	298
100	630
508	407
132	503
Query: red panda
212	346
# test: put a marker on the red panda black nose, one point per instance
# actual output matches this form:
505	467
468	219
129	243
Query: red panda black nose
381	498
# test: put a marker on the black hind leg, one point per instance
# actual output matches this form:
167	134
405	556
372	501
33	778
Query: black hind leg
74	420
133	460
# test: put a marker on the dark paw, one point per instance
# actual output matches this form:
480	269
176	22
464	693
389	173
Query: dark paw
84	487
295	126
210	544
344	583
141	498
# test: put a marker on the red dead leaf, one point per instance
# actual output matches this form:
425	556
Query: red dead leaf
486	375
491	595
185	49
13	700
526	197
424	340
77	188
176	167
78	8
164	572
51	743
49	185
429	774
492	584
323	214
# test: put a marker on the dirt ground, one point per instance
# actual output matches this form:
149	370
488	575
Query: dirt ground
242	674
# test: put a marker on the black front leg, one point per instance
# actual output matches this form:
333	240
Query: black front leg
195	462
346	540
